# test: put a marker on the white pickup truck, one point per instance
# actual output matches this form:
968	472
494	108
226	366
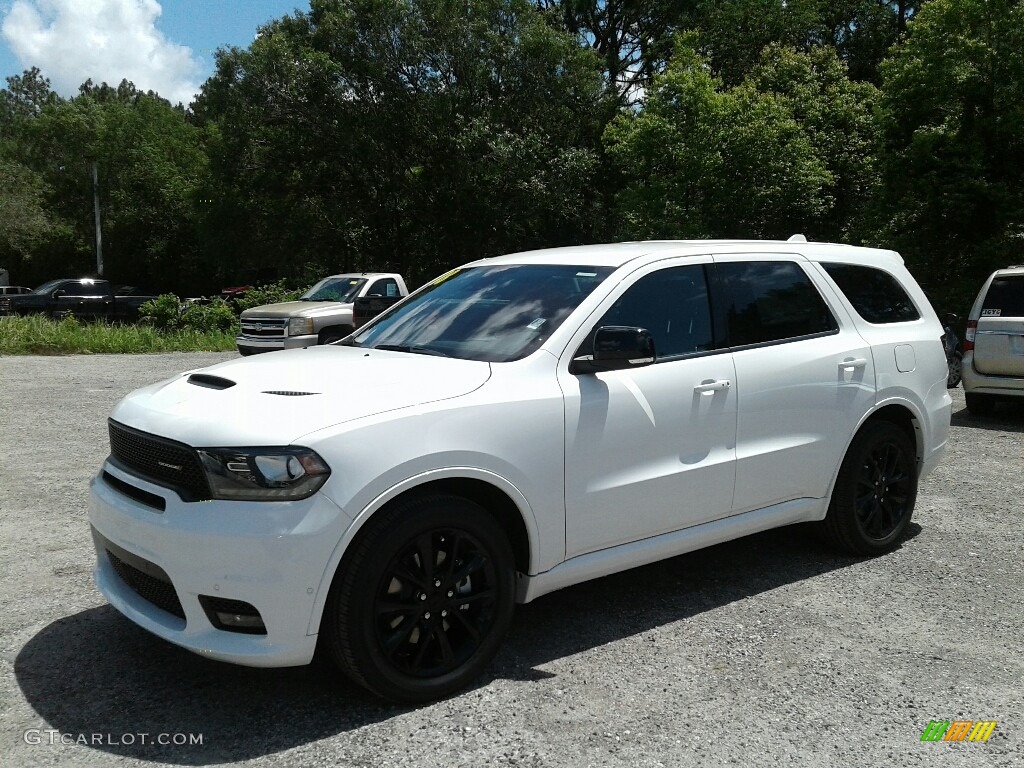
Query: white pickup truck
322	315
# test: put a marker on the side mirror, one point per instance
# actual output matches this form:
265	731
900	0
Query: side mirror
616	348
950	319
58	293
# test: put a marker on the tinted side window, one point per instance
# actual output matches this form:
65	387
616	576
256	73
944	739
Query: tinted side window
387	287
1005	297
673	305
85	289
771	301
876	295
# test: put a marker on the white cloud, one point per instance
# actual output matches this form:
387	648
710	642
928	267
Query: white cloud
106	40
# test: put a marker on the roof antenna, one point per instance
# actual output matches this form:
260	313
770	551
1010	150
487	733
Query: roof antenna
798	238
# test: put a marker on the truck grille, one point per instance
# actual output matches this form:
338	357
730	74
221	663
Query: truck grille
264	327
164	462
5	306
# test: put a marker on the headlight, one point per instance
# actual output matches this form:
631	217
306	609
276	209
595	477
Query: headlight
300	326
263	474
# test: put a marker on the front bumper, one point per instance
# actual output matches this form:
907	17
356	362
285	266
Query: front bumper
271	555
252	344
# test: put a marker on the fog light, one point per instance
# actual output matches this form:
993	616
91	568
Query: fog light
233	615
240	620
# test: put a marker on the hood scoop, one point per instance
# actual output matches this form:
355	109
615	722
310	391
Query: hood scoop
288	393
210	382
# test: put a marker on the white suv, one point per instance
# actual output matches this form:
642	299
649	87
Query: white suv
993	367
518	425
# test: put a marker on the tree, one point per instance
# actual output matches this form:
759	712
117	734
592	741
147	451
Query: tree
952	199
410	135
789	149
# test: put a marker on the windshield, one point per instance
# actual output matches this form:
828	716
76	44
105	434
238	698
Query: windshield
343	289
48	287
491	313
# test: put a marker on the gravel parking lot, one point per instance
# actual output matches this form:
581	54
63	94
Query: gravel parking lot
767	651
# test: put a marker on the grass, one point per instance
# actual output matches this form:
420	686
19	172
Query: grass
39	335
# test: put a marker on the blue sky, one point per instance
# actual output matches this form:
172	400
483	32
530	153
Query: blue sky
163	45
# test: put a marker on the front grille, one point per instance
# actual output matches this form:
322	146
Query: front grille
164	462
5	305
158	591
263	327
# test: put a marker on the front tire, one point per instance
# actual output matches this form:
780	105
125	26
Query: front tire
422	603
874	495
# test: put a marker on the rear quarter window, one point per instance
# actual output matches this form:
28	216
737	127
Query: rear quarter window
1005	297
876	295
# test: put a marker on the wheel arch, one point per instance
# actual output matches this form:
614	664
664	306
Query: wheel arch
344	329
499	497
903	415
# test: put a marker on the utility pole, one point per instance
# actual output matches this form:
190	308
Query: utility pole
96	209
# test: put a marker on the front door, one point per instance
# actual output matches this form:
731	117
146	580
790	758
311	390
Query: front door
652	449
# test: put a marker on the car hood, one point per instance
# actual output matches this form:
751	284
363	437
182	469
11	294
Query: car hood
346	383
296	309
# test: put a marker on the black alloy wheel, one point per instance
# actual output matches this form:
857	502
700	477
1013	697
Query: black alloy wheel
423	599
436	599
883	487
873	499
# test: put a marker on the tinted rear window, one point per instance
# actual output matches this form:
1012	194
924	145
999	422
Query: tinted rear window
772	301
876	295
1005	296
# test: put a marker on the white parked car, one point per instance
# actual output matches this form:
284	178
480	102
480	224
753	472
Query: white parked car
516	426
993	366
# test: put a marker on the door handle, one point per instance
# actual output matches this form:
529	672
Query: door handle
712	386
850	365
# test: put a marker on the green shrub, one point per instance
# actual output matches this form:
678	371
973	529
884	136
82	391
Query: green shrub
273	293
163	313
215	316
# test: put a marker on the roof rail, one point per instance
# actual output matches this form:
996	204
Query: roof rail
797	238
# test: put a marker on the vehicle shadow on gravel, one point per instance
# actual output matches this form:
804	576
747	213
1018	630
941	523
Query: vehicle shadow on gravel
96	675
1008	417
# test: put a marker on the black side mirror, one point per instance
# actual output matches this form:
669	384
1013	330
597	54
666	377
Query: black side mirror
616	348
58	293
950	319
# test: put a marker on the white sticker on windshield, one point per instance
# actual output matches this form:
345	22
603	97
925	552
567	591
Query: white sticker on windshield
991	312
536	324
586	274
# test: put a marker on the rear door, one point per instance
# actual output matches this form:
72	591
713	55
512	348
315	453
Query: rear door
999	340
805	377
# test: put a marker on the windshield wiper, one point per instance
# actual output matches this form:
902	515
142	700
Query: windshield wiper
413	348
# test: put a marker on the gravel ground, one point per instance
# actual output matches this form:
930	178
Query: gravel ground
767	651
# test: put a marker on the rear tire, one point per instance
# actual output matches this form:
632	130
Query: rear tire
980	405
955	371
423	600
874	496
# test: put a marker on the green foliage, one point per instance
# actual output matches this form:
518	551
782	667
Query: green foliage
406	136
37	334
272	293
952	197
163	312
702	159
168	313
